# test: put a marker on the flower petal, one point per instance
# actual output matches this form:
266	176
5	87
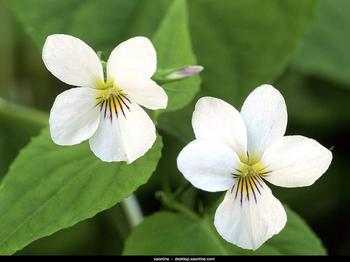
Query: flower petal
74	116
265	115
123	138
142	90
213	118
250	222
296	161
136	54
208	164
72	61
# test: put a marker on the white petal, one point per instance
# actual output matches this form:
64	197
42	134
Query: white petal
74	116
142	90
213	118
72	61
136	54
208	164
265	115
107	142
248	224
123	138
296	161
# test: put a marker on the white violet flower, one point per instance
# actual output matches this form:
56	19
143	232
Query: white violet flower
237	152
105	111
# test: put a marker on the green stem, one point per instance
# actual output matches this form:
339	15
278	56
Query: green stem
6	50
163	81
169	201
182	189
23	114
132	210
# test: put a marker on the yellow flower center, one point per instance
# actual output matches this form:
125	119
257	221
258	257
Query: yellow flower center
112	100
248	178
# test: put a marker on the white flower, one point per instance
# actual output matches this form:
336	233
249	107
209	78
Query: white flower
237	152
105	111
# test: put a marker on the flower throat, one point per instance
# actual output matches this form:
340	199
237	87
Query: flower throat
112	100
248	179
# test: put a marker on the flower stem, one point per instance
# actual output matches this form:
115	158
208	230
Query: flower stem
170	202
182	189
132	210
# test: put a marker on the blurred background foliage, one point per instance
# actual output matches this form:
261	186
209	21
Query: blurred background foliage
301	48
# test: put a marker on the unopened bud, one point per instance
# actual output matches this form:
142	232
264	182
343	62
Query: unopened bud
185	72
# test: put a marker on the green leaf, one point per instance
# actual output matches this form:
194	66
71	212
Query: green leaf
186	236
173	44
102	24
18	124
51	187
240	48
315	104
326	50
245	43
178	123
100	235
76	240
